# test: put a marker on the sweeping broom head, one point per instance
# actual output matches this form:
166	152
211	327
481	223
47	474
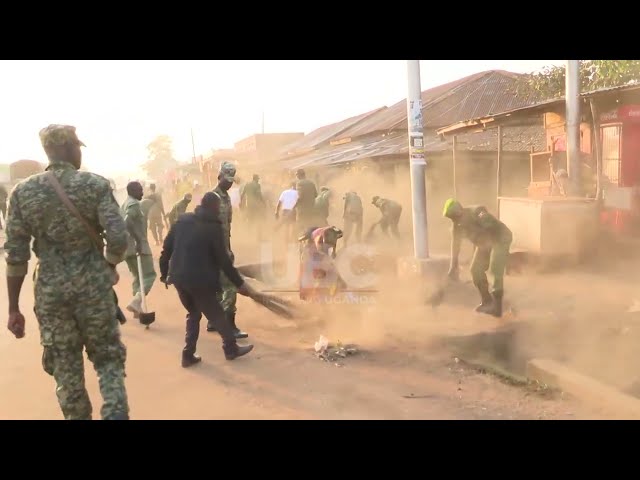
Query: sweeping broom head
279	306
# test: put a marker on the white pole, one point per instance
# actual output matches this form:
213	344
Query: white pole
572	100
417	161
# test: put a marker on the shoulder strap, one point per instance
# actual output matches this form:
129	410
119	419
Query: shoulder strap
53	181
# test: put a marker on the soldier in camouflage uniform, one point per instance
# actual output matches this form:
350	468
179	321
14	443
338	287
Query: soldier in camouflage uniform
305	207
253	205
321	206
352	215
228	296
178	209
74	300
138	245
492	240
3	204
153	210
391	212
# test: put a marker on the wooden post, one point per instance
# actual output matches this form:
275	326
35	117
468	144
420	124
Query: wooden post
595	120
499	171
455	179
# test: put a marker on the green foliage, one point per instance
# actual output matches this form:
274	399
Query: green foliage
160	156
594	74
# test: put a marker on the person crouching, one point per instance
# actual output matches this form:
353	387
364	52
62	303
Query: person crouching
192	256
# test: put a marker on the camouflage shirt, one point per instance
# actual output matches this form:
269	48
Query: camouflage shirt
480	228
178	209
226	215
66	254
389	208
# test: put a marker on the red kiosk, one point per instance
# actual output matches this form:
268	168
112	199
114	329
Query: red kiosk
620	137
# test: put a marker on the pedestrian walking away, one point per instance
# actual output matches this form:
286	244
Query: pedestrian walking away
74	299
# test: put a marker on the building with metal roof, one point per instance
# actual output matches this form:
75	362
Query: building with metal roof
383	132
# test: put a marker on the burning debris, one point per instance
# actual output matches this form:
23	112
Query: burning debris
333	353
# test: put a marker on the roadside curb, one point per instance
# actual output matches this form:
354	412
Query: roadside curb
494	369
583	388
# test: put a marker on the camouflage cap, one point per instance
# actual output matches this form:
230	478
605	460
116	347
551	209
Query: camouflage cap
55	135
227	171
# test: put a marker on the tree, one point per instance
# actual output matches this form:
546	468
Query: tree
160	156
594	74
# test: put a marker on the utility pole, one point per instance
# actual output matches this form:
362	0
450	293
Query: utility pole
417	161
193	147
572	101
263	122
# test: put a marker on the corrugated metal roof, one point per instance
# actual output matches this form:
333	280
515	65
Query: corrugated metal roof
492	93
527	110
621	88
479	94
515	139
385	119
325	134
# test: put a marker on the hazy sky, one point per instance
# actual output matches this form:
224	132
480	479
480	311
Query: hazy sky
118	107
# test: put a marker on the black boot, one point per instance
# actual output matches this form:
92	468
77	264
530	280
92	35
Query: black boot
485	297
233	350
496	306
189	359
236	331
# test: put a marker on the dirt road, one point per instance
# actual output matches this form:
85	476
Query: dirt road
396	375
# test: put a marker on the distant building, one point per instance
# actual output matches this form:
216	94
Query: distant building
264	148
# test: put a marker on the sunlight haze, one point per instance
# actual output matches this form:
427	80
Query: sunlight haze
118	107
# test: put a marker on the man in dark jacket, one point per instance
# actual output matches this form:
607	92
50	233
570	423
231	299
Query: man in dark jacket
192	256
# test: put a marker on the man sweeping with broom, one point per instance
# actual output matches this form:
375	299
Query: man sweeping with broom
193	255
492	240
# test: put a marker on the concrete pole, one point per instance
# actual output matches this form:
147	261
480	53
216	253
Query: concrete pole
572	100
193	147
417	162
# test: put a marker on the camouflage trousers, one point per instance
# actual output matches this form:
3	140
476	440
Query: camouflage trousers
493	259
304	221
69	323
228	296
148	272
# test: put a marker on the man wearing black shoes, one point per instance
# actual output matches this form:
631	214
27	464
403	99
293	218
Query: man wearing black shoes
193	254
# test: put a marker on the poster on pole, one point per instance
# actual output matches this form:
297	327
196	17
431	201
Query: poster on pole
416	148
415	116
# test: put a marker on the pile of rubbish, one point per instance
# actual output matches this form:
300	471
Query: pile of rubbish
333	353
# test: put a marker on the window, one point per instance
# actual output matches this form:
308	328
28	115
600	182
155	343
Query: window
611	153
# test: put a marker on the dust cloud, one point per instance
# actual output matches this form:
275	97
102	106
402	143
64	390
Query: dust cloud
576	314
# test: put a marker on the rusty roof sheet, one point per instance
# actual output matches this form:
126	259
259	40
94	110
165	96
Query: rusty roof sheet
325	134
526	110
515	139
386	119
622	88
479	94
